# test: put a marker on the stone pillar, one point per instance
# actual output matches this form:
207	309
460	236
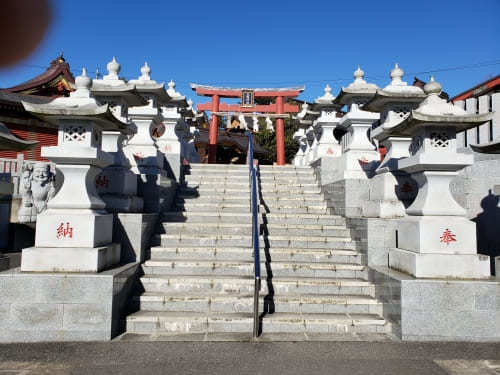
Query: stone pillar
75	233
436	239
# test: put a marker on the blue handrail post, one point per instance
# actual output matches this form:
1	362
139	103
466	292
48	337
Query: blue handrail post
255	233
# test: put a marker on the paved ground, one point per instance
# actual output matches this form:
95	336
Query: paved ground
276	358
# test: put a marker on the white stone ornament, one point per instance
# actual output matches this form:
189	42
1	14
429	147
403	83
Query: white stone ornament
74	234
326	123
359	156
117	184
391	189
436	239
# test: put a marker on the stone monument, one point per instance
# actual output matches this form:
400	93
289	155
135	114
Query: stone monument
436	240
389	188
146	160
74	234
170	142
117	184
328	146
359	154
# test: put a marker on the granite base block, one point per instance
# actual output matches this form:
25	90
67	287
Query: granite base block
439	309
71	259
134	232
468	266
64	307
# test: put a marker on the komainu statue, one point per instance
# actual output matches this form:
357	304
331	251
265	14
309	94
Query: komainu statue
36	188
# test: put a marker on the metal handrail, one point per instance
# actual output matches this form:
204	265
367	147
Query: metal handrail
254	207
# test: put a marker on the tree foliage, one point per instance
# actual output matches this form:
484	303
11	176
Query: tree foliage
267	139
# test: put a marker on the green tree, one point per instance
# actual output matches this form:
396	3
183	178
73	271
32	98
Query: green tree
267	139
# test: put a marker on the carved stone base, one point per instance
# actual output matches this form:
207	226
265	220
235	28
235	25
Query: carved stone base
461	266
71	259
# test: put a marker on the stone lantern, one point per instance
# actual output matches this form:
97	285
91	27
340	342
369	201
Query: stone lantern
74	234
327	146
300	137
306	118
390	186
191	133
170	142
358	152
145	158
141	150
117	184
436	239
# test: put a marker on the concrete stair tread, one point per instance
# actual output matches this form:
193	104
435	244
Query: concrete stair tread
249	225
236	263
271	237
272	251
290	298
250	279
248	214
167	316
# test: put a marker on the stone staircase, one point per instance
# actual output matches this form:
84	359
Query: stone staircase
199	279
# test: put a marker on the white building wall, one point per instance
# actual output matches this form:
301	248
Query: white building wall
460	136
484	107
471	107
495	107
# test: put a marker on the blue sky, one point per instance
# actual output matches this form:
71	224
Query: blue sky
274	43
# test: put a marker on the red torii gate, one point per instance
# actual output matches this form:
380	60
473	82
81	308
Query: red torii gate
248	105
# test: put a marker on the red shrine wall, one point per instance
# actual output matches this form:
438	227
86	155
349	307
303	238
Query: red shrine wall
45	137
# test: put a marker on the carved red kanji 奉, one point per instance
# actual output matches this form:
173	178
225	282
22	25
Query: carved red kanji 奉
448	237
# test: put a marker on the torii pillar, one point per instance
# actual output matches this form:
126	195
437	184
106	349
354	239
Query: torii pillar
280	132
213	132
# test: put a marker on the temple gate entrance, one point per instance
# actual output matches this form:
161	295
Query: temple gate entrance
271	101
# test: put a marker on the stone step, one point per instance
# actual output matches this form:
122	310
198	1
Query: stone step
275	196
245	254
244	177
222	240
233	207
158	322
217	228
268	202
300	304
298	219
244	189
244	185
281	286
241	268
203	217
246	217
